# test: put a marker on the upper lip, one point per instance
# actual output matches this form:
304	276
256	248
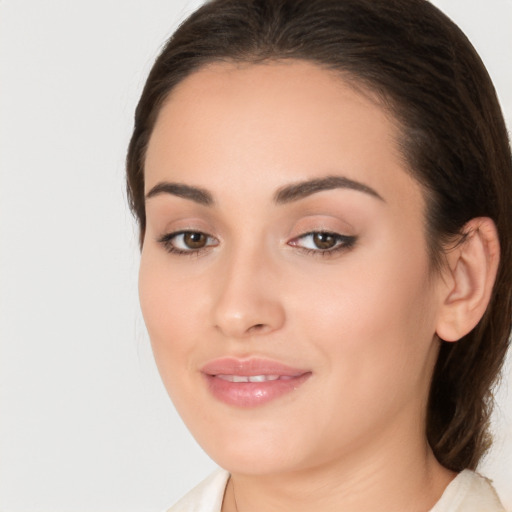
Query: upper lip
250	367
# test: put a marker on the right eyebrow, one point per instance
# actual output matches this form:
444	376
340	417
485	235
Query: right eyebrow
196	194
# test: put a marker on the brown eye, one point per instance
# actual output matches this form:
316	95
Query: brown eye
187	242
194	240
324	241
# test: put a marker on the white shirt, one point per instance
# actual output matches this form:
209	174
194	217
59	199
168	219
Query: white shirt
468	492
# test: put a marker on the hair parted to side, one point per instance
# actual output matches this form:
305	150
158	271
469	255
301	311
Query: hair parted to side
453	138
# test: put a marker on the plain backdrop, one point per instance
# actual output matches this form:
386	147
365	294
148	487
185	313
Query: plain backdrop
85	424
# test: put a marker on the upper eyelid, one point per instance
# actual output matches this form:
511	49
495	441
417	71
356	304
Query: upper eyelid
327	222
168	232
339	236
323	231
315	231
172	234
333	232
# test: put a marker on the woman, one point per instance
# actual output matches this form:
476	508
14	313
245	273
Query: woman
323	192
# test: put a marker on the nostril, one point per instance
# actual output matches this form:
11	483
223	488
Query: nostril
257	327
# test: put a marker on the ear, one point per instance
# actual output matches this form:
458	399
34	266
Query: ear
469	279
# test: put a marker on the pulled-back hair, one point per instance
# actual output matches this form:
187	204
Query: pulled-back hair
453	138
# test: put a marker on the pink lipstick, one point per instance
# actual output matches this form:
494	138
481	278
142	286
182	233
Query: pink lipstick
251	382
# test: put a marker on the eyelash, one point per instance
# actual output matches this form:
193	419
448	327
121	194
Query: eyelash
342	243
167	241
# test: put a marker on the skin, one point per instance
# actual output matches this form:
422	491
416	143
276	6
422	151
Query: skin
363	319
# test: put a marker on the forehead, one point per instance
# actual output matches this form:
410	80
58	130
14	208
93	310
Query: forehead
266	97
274	122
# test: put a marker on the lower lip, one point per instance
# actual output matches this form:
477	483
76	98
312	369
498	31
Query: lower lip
251	394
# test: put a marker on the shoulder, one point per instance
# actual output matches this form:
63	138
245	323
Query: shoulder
469	492
205	497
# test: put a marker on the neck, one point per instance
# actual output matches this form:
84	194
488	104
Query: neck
389	481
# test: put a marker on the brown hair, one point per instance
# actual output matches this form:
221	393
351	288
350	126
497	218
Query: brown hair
453	138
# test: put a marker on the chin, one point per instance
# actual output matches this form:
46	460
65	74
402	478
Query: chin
253	446
252	460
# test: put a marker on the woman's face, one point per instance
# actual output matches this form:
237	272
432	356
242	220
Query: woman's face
285	280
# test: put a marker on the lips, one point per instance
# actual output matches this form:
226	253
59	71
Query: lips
251	382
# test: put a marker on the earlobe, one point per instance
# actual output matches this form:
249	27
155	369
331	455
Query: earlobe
472	268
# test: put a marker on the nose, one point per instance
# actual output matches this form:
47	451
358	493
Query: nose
248	300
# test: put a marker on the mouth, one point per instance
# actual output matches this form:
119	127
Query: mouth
251	382
252	378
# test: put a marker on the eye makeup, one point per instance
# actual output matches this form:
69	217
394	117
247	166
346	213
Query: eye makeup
187	242
323	243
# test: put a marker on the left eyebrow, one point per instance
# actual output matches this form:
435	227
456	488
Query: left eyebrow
306	188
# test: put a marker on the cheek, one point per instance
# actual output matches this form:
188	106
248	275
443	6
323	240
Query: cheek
374	319
171	306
